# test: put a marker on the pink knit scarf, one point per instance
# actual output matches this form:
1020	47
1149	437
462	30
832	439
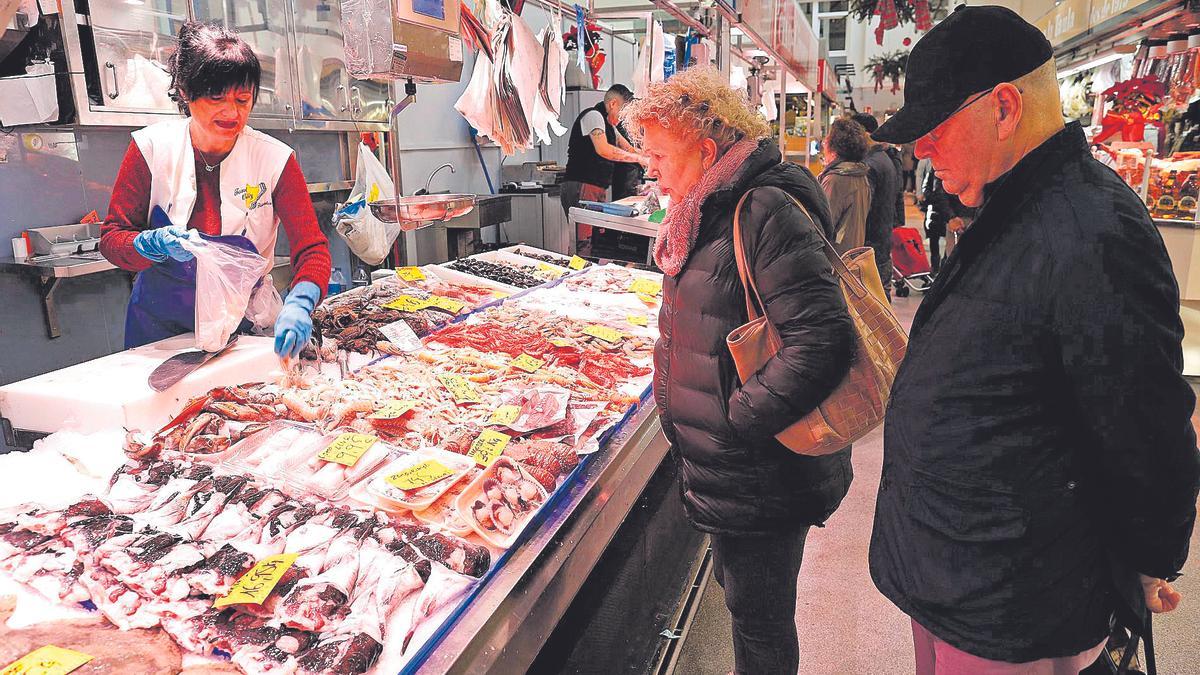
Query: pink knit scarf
679	229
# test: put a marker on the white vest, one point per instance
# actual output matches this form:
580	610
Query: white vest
248	178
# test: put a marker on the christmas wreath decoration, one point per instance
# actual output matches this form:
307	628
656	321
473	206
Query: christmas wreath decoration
893	13
888	67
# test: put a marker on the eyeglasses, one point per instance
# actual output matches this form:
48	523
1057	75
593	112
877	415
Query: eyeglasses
933	135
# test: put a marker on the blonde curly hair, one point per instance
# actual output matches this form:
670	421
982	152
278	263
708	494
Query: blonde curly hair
697	103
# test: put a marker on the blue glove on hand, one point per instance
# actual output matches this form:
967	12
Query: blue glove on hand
163	240
294	326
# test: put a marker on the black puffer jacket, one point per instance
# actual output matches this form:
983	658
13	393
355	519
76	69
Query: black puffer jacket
736	478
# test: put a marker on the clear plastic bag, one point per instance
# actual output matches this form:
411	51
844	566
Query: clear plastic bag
264	306
368	237
225	276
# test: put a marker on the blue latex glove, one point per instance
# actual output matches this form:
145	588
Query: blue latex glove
294	326
162	240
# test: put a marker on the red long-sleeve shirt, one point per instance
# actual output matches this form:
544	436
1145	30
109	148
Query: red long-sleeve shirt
130	204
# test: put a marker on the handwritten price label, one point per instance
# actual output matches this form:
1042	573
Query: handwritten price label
48	660
638	319
500	294
347	449
401	335
460	389
648	299
253	587
645	287
448	304
488	447
505	415
410	273
407	303
527	363
560	342
392	410
420	475
577	263
551	270
604	333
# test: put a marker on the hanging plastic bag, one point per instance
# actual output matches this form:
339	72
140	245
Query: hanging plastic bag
368	237
225	276
264	306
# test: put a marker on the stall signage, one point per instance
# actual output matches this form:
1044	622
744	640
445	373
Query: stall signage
1067	20
645	287
604	333
460	389
577	263
505	415
253	587
551	269
488	447
392	410
527	363
401	335
410	273
48	660
638	319
419	475
348	448
1103	10
407	303
448	304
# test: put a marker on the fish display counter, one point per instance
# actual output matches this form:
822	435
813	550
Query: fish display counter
426	491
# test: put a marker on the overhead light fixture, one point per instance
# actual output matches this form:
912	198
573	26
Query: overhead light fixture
1091	64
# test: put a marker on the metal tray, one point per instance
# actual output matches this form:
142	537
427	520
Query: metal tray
410	212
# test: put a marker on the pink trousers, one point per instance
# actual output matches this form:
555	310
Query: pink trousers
935	657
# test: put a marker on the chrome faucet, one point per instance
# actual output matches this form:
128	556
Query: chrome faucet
435	172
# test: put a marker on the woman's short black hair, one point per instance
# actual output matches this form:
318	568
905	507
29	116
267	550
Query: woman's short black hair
847	139
211	60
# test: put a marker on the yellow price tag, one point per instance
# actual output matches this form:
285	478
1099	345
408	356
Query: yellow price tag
638	319
527	363
347	449
604	333
560	342
419	475
551	269
577	263
373	194
392	410
500	294
407	303
449	304
645	287
48	660
648	299
253	587
410	273
460	389
488	447
505	415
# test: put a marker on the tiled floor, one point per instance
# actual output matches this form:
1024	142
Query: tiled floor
847	627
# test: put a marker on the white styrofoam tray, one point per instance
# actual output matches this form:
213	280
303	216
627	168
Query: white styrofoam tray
112	390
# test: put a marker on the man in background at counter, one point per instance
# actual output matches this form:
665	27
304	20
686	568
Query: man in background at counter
1040	469
885	192
595	144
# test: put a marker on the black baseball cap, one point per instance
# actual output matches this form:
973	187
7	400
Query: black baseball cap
972	50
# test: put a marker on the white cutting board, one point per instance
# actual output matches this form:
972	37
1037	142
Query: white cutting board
112	391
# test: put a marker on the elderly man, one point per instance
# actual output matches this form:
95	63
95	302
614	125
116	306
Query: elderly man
1040	469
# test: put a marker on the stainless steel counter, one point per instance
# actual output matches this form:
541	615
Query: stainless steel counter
632	224
506	625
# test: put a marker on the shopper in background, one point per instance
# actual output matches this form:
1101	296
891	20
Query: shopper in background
754	497
923	170
1045	478
942	209
885	186
208	172
594	145
846	184
908	169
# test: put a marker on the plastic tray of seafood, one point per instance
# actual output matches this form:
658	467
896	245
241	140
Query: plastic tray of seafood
501	502
414	480
519	275
542	255
343	458
444	512
450	275
538	268
267	454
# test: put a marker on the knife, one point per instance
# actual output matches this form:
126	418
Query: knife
178	366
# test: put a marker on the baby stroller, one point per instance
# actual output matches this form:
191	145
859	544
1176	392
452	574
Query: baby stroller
910	265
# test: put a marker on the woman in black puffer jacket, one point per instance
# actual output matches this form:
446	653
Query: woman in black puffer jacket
754	497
